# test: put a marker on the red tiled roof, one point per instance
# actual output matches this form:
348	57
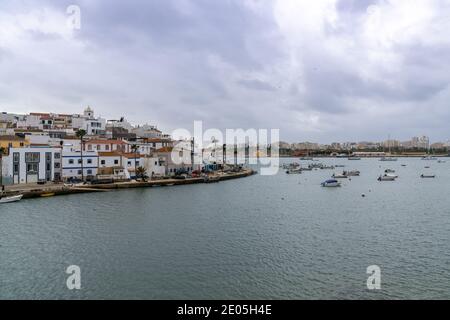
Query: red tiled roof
95	141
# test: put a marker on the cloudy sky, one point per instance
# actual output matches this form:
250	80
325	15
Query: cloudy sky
326	70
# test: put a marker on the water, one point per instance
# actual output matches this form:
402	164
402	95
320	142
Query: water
276	237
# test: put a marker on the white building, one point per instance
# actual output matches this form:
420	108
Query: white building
73	165
88	122
30	164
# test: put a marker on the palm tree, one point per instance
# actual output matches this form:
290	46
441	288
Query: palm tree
141	172
80	134
2	152
135	149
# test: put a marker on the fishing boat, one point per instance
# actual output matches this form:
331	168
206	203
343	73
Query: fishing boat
388	159
387	177
339	176
353	173
332	183
428	176
11	198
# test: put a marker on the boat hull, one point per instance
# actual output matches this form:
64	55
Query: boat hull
11	199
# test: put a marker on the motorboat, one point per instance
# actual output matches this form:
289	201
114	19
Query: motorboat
327	167
388	159
339	176
294	171
428	176
389	171
429	158
11	198
331	183
354	158
387	177
307	158
353	173
441	161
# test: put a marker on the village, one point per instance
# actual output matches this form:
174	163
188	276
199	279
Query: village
41	150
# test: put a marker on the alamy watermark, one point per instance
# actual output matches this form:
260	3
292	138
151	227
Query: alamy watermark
252	146
74	17
374	280
73	282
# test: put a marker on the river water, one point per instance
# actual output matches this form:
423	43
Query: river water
261	237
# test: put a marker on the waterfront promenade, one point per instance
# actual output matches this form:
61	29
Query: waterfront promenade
36	191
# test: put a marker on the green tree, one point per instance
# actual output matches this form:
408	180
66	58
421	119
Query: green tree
80	134
141	172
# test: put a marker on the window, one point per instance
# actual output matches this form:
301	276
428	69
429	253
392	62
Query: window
102	162
57	155
16	157
32	157
79	171
57	165
89	147
79	161
89	161
116	161
16	169
107	147
137	162
32	168
89	171
129	163
71	161
156	163
99	147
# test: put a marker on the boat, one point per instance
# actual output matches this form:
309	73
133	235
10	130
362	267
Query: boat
331	183
339	176
428	176
294	171
441	161
46	195
306	169
389	171
339	166
353	173
354	158
388	159
307	158
429	158
327	167
11	198
387	178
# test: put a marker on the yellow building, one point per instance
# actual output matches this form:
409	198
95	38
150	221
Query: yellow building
7	142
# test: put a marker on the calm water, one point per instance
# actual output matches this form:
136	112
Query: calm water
277	237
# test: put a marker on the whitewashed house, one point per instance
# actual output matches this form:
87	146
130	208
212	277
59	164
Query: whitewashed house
73	162
30	164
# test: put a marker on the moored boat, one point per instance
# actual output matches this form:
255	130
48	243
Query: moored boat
387	177
332	183
294	171
11	199
339	176
388	159
428	176
352	173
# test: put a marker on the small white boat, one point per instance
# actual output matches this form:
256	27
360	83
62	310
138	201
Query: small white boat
389	171
428	176
353	173
339	176
354	158
441	161
429	158
294	171
307	158
388	159
332	183
11	199
387	177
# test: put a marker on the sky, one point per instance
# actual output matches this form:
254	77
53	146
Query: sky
323	71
